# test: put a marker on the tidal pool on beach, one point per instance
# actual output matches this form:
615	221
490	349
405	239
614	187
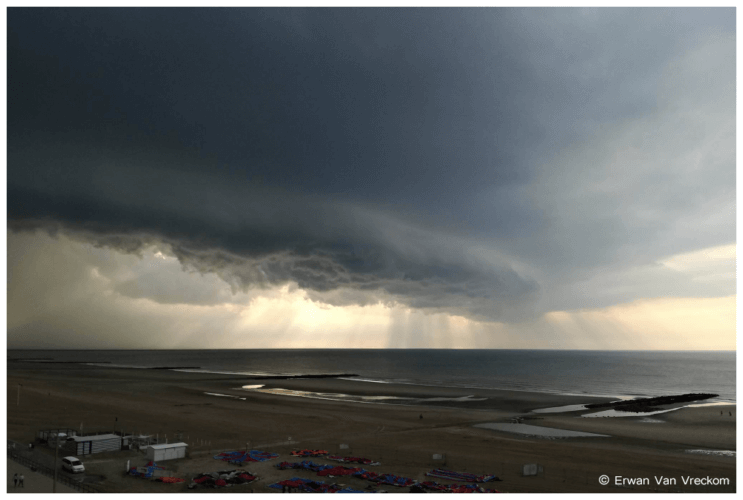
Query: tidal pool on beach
651	421
533	430
616	413
724	453
224	395
354	398
329	396
560	409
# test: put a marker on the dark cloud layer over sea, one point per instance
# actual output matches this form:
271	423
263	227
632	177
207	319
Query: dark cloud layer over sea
489	163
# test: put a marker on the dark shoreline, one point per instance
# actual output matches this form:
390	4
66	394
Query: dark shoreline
50	361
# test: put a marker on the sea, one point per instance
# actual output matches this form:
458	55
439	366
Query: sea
620	374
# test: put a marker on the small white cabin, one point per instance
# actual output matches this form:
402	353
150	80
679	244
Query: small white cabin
169	451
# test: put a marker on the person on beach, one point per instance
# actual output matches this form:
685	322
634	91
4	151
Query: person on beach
20	480
15	480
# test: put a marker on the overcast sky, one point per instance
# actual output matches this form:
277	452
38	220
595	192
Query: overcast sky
490	177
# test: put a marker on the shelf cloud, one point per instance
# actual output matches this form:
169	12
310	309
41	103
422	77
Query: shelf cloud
492	164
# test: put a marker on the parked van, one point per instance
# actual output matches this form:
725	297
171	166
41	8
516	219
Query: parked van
72	464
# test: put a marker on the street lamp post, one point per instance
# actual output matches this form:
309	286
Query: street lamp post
56	452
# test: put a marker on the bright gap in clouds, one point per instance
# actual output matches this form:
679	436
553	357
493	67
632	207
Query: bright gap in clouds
67	293
705	264
674	323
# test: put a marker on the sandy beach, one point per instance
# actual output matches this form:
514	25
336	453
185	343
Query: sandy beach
164	403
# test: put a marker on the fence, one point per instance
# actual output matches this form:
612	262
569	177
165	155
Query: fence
61	479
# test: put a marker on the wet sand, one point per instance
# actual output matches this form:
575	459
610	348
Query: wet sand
503	400
165	403
701	427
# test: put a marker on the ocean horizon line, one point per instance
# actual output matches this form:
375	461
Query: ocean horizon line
366	349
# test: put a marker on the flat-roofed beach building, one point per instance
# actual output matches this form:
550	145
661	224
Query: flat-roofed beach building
86	445
168	451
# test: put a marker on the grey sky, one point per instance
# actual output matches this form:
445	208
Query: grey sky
493	163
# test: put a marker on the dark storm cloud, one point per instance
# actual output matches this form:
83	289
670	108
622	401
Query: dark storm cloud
390	104
265	237
368	151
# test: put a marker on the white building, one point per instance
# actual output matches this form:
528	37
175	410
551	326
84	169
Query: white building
169	451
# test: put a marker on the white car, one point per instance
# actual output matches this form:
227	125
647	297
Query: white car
72	464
